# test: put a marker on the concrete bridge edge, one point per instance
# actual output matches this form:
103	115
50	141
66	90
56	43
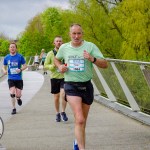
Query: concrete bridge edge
137	115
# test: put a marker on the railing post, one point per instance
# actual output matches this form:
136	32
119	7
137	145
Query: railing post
105	85
96	91
126	90
146	74
29	60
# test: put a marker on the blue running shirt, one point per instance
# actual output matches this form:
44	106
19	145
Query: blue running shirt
13	63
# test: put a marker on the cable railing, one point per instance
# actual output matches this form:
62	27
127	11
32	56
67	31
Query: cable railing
124	81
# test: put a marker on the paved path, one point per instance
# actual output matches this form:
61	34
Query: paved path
32	83
34	127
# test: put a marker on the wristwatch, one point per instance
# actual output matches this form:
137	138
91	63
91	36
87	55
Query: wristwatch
94	60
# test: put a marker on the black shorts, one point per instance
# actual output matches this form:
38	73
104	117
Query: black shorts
56	85
82	89
43	63
16	83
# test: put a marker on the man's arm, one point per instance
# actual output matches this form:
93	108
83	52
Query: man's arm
99	62
4	68
62	67
49	64
102	63
24	66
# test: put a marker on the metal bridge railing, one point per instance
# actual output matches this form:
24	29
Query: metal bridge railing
124	81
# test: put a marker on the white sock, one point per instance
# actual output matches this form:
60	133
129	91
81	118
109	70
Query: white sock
75	142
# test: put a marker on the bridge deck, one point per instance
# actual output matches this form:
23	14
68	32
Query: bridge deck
34	126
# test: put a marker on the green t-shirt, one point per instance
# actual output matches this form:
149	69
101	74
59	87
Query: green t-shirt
79	69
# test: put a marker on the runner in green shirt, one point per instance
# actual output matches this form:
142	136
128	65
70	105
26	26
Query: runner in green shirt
57	81
79	55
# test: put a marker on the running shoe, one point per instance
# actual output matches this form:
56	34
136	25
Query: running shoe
64	116
19	102
58	117
75	145
13	111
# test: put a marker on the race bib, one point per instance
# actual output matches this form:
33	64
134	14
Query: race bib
76	65
13	70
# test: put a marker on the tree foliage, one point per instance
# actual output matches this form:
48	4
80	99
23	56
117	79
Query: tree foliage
120	28
33	39
133	19
4	44
52	24
98	26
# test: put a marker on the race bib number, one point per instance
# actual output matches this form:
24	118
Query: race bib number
13	70
77	65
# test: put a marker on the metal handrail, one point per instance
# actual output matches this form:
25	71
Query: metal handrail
130	61
145	71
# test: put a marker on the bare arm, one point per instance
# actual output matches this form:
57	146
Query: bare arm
24	67
4	68
102	63
62	67
41	55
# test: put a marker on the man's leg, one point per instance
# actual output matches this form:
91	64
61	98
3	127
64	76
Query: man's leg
12	94
55	90
62	96
56	102
86	109
18	96
13	99
80	113
64	104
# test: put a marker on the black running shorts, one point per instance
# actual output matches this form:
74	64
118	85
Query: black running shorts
56	85
82	89
16	83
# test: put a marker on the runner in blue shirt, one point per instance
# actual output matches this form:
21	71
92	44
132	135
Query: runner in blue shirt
13	65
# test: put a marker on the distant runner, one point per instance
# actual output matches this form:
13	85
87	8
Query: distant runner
13	65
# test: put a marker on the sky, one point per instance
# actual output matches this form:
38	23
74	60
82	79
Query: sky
15	14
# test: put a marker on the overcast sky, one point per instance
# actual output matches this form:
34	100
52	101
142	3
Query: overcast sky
15	14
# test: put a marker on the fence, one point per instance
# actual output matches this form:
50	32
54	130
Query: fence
127	82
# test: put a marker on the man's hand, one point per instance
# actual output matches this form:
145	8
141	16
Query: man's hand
63	68
86	55
102	63
5	72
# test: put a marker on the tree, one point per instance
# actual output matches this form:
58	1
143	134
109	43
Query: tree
52	24
133	19
98	27
33	38
4	44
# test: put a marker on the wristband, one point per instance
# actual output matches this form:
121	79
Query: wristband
94	60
